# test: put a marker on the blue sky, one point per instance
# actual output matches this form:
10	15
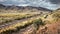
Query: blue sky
50	4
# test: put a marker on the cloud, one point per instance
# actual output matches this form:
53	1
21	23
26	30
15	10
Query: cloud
23	5
55	1
50	4
43	3
3	0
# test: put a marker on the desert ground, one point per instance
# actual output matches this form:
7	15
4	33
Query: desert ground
29	20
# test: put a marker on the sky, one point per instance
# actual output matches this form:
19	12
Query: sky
49	4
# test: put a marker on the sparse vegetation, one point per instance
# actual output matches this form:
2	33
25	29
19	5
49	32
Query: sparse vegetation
56	15
12	21
6	18
37	23
18	26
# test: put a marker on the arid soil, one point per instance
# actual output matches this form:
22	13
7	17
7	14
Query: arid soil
53	28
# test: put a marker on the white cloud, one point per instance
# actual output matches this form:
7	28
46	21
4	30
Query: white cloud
18	0
23	5
3	0
41	3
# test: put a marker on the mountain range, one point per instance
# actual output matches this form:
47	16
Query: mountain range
22	7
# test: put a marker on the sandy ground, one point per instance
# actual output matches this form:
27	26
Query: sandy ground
53	28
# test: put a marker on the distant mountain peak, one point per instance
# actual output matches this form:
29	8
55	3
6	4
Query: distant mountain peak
23	7
1	5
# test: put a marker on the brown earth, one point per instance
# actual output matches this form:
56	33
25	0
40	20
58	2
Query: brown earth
53	28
